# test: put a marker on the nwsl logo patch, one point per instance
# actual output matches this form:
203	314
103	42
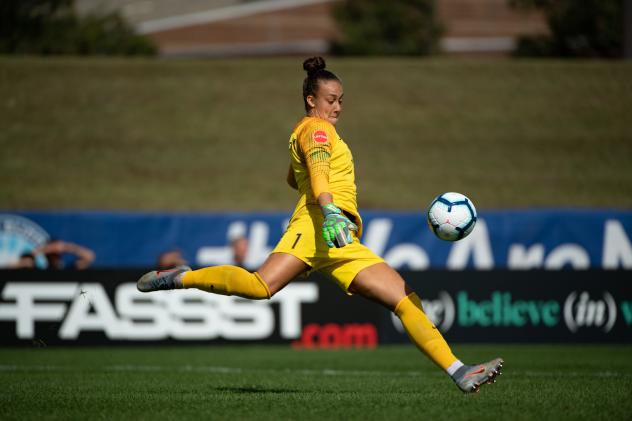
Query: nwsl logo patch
320	136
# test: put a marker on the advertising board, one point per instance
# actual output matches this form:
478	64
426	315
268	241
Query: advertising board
47	308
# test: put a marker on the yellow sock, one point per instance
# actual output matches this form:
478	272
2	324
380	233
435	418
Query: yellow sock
227	280
422	332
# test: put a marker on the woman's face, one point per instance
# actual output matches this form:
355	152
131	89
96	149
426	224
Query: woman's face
327	103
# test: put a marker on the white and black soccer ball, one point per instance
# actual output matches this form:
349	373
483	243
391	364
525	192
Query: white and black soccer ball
451	216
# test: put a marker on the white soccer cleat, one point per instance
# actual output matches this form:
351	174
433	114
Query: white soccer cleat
158	280
470	378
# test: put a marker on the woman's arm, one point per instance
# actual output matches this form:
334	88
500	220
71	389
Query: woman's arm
316	147
325	198
291	180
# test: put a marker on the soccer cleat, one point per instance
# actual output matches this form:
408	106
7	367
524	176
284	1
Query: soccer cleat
157	280
470	378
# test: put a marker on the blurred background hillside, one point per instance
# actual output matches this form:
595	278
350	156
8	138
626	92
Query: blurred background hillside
149	133
114	133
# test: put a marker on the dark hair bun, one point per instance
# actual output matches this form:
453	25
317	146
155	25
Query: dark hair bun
313	64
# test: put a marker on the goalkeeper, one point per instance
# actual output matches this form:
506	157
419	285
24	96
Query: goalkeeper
323	235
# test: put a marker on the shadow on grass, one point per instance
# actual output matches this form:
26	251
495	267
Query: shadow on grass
254	389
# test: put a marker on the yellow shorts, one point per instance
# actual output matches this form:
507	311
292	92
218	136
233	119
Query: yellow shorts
303	239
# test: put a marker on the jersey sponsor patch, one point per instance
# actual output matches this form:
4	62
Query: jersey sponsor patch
320	136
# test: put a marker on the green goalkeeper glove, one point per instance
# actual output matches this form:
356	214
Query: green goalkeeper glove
337	227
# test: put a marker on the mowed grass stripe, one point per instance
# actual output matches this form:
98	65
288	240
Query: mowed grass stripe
307	372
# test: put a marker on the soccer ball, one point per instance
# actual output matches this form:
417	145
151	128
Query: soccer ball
451	216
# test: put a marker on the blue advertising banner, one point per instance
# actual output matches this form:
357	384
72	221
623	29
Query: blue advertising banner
519	239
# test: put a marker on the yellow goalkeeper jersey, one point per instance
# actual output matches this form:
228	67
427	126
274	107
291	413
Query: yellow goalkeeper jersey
322	162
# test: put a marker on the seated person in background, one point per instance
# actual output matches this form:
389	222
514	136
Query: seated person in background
55	250
171	259
240	250
27	261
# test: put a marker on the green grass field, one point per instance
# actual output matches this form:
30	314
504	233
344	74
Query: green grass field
212	135
273	382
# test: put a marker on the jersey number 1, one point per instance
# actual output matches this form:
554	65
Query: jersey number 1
298	237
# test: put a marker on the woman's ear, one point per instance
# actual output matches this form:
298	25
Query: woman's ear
311	101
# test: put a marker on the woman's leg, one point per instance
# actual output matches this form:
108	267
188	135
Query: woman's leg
275	273
383	284
280	269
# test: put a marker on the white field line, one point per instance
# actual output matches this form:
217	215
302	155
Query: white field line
324	372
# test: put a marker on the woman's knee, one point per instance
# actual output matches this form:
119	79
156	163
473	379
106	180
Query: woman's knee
382	284
273	283
279	270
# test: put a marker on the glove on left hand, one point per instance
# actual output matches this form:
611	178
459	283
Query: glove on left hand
337	227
